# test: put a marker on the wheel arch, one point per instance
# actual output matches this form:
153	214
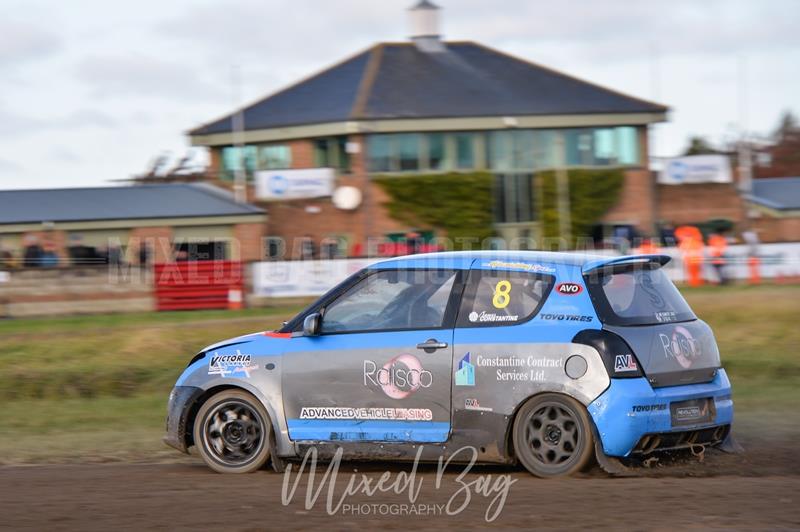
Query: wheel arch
188	435
509	435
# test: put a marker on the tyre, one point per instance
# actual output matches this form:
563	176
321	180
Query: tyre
232	432
553	436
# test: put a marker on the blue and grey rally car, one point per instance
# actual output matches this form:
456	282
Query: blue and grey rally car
543	359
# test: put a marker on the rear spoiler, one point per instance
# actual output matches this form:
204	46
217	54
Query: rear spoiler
625	260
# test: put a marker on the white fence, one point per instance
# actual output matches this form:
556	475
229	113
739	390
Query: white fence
315	277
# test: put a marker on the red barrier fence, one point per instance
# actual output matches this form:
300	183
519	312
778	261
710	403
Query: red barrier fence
193	285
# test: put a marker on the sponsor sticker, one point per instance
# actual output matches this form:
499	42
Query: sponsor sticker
367	414
524	266
569	289
465	374
491	317
625	363
399	378
566	317
681	346
231	365
473	404
649	408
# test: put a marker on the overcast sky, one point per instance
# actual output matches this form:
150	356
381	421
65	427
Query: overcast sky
91	91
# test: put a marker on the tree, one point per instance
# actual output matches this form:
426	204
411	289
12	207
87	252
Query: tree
699	146
784	155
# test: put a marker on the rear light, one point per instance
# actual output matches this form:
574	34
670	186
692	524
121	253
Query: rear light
617	355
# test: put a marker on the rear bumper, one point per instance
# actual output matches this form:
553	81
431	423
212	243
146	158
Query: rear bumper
181	400
630	410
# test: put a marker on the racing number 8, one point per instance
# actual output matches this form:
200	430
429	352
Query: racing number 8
502	292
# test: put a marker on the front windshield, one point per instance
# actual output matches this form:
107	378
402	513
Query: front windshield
638	296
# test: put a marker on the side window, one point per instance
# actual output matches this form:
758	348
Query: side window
392	300
494	297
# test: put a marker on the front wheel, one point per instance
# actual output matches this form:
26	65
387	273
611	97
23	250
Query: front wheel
232	432
553	436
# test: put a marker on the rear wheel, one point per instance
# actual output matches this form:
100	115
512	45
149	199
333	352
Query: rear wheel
553	435
232	432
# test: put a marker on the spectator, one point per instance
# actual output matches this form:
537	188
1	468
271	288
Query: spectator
32	255
144	254
307	248
717	245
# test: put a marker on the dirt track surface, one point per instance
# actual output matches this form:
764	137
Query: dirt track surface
723	491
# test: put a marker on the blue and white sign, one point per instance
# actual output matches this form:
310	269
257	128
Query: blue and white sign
294	184
696	169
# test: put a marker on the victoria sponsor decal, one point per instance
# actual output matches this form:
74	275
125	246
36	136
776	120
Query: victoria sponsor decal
569	289
681	346
399	378
231	365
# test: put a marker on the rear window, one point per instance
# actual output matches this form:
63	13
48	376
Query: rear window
640	296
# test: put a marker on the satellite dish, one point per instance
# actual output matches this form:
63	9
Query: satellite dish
347	198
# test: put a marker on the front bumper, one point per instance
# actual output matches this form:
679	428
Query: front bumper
181	400
630	409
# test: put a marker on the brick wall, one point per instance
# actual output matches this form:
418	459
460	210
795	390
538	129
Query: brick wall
777	229
635	201
682	204
248	237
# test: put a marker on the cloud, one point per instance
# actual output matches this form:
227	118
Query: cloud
20	42
142	76
17	124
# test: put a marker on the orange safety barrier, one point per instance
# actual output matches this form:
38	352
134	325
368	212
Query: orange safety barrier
754	267
193	285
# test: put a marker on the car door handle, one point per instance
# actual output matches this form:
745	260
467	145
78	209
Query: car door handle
429	346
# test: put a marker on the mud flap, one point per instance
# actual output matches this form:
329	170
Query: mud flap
610	464
730	445
278	463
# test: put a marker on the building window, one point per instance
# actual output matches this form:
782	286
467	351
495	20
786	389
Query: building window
275	157
380	153
408	151
436	153
265	157
627	145
232	159
465	151
331	152
511	150
513	198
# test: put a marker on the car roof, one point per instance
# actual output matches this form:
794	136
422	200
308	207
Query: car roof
549	257
463	259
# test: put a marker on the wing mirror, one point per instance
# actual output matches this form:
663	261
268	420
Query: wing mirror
312	324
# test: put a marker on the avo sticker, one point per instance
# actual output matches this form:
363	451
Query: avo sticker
569	289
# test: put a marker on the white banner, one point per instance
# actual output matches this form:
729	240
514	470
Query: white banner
294	184
303	278
309	278
696	169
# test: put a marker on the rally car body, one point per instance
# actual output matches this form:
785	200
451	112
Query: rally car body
443	349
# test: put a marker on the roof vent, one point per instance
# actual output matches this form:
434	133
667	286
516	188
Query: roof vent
424	24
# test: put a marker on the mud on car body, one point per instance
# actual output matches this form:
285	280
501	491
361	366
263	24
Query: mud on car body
543	359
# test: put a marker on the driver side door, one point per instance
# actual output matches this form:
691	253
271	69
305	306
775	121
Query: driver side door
380	370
